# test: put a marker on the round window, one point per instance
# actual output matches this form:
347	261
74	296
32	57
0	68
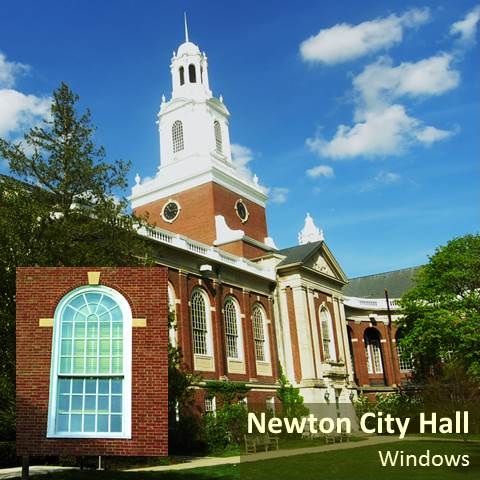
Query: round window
241	210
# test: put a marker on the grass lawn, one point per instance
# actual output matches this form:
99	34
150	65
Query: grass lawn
360	463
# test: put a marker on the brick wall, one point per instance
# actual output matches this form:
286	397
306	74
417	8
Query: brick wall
38	293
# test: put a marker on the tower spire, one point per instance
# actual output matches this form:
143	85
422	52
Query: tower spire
186	26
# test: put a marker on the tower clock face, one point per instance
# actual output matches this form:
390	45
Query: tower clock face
241	210
170	211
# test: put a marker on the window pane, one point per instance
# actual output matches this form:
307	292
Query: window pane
104	365
77	386
91	365
76	422
67	330
103	386
116	404
105	330
116	423
90	386
116	386
91	347
65	365
78	365
77	302
62	423
117	330
90	403
103	403
79	329
79	347
64	403
116	314
68	314
64	385
117	365
117	346
89	423
66	347
92	329
102	423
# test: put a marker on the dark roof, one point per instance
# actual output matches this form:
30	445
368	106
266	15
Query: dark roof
373	286
297	254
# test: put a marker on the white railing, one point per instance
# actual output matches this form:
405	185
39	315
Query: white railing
371	303
211	253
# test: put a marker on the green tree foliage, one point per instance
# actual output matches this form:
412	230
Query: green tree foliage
292	401
59	209
441	314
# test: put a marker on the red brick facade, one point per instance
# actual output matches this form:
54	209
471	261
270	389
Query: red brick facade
38	292
198	207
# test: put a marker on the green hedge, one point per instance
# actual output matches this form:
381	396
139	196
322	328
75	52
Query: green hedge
8	456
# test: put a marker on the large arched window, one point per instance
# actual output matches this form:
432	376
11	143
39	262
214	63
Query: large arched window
177	136
91	365
218	136
200	316
232	329
373	351
181	72
328	340
260	337
192	74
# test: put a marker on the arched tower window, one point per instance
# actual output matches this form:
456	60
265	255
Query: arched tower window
373	351
200	323
91	365
259	334
232	328
181	72
328	340
177	136
192	74
218	136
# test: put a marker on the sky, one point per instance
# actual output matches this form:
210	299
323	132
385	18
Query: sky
364	114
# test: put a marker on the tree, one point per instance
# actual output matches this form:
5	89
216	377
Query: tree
292	401
59	208
441	314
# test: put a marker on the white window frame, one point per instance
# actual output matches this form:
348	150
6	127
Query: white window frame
208	323
266	339
405	364
217	128
239	339
211	403
326	324
178	140
127	366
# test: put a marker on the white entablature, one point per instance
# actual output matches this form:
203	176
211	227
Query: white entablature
194	136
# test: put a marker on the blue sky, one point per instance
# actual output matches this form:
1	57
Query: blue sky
365	114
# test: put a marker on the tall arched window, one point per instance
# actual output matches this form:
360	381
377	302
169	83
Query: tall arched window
192	74
218	136
91	365
177	136
405	362
181	72
200	323
260	334
373	351
328	340
232	329
172	321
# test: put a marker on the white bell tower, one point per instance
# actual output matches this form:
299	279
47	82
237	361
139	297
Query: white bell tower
192	123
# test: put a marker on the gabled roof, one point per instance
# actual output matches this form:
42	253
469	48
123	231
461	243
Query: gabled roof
304	256
297	254
396	282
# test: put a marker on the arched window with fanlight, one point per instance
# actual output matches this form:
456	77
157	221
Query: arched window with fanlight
260	334
177	136
218	136
90	386
233	337
328	340
200	318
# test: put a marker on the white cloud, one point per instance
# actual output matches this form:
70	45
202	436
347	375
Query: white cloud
19	111
430	135
9	71
344	42
279	195
380	82
385	132
381	180
241	157
466	29
320	171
